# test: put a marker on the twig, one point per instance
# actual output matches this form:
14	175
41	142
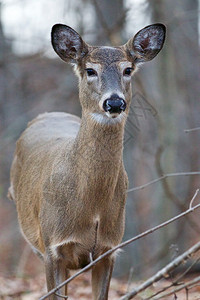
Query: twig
194	285
176	282
61	296
170	195
192	129
130	279
191	202
23	259
179	288
163	272
187	293
91	257
109	252
161	178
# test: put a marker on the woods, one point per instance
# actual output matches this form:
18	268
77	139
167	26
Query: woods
162	132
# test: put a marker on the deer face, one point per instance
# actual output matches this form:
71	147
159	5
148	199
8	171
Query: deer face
105	72
105	83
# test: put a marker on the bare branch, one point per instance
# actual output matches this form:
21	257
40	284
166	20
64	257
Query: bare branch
61	296
130	277
163	272
161	178
193	198
176	282
187	285
192	129
169	193
109	252
193	285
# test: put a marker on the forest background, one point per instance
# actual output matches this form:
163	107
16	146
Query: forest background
162	134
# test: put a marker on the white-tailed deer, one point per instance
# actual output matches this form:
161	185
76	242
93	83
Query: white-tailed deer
67	176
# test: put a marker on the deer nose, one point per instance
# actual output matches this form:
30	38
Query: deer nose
114	105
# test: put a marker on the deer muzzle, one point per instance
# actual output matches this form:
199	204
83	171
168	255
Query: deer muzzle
114	106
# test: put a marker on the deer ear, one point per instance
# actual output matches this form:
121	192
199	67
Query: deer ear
67	43
147	43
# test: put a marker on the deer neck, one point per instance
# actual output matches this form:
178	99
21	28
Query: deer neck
98	152
99	143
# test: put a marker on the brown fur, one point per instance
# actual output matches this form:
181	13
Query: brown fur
68	178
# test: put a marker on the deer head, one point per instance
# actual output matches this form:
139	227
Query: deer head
105	72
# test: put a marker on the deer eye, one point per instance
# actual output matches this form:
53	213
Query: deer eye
128	71
91	72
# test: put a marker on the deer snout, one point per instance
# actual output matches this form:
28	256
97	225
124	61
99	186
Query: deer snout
114	105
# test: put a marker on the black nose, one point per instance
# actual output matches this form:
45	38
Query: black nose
116	105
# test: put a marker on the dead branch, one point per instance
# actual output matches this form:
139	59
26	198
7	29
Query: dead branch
174	283
130	277
189	284
192	129
163	272
109	252
140	187
61	296
23	259
166	187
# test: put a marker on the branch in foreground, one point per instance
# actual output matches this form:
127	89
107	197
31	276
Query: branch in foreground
174	283
163	272
161	178
109	252
189	284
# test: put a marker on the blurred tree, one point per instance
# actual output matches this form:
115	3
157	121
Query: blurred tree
5	50
177	76
154	144
110	17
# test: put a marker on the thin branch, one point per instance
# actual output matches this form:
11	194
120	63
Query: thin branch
189	284
109	252
163	272
192	129
193	198
176	282
61	296
194	285
23	259
130	277
161	178
168	192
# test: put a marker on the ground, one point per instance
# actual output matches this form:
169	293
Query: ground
80	288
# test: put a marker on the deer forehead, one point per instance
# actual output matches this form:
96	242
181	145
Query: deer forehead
105	56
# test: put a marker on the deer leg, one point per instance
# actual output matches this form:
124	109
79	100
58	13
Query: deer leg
67	275
61	275
56	273
101	275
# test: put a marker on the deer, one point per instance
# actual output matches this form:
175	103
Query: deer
67	177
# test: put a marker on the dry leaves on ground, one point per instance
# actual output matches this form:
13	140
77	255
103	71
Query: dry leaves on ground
80	289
